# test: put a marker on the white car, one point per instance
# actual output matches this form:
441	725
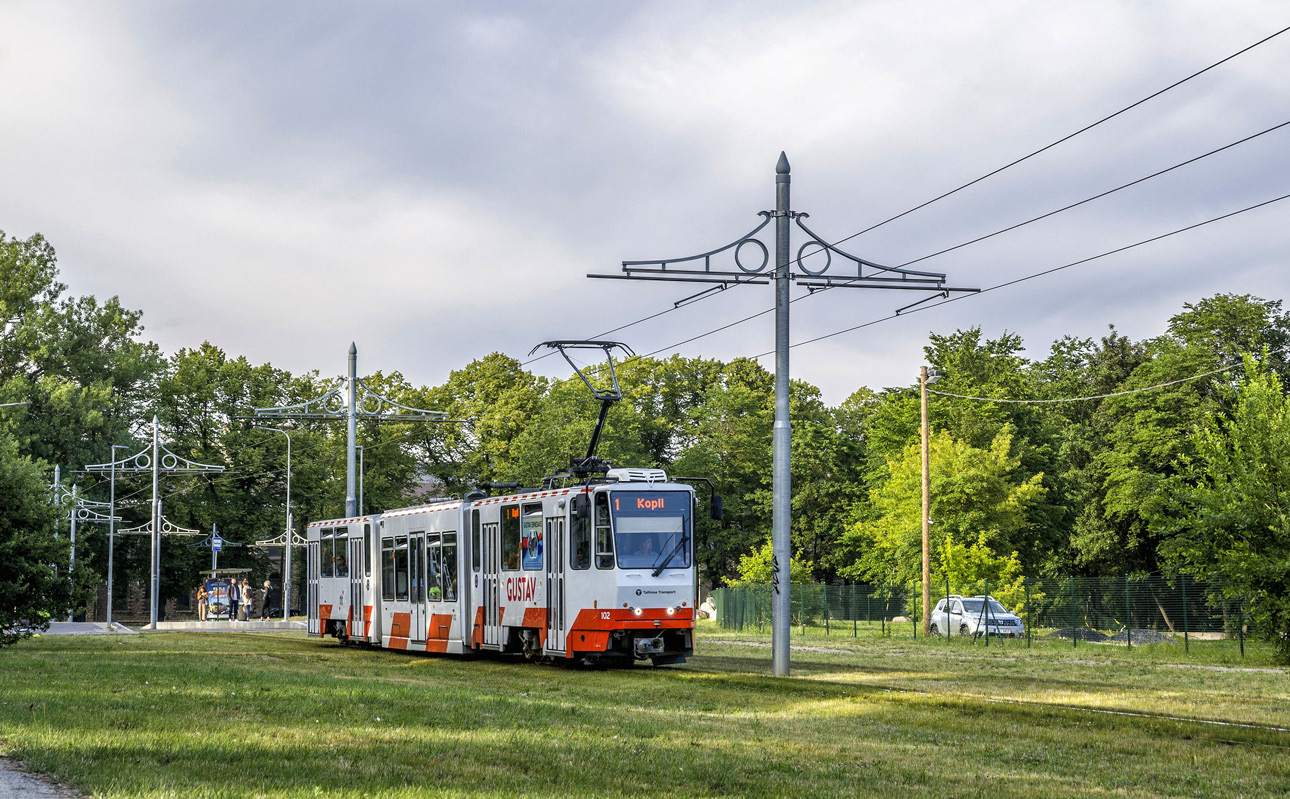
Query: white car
973	616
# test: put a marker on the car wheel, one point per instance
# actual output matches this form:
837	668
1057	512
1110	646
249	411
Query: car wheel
963	630
936	630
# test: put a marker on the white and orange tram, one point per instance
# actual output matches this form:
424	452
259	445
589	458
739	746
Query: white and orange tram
600	572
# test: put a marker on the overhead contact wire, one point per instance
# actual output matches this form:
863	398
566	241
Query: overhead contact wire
1038	274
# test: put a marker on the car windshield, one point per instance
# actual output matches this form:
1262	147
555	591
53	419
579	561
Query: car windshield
974	606
651	529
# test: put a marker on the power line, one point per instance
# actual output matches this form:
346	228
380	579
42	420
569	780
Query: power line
1041	274
973	182
1065	138
1097	396
1100	195
1084	201
620	327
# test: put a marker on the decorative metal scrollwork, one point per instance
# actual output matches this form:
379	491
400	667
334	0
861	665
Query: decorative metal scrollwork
866	273
746	273
90	515
370	404
281	540
167	528
877	272
167	461
62	492
327	406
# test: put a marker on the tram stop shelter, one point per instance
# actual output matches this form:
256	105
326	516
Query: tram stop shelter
217	583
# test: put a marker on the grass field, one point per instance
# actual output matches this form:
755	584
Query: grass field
280	715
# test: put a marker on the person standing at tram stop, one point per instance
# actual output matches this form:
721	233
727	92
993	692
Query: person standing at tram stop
234	599
201	602
264	600
248	596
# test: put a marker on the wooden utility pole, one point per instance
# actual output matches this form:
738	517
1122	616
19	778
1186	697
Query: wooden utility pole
927	498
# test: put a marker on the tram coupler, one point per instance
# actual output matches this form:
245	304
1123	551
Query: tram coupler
645	648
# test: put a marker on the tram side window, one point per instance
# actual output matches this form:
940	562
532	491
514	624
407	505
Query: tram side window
325	554
401	569
434	569
387	568
511	538
475	541
531	537
604	534
580	551
449	567
416	570
367	550
341	556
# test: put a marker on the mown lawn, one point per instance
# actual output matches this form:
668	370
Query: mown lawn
280	715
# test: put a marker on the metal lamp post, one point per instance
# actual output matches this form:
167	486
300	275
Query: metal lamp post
287	537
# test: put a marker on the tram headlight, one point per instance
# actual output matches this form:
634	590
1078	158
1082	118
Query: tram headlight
671	611
636	611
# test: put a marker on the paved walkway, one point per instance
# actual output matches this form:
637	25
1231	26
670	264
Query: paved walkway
98	628
18	783
224	626
86	628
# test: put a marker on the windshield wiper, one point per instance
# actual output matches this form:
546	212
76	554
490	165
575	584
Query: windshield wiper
679	546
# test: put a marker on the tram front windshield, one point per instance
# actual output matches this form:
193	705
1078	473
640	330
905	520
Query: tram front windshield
652	529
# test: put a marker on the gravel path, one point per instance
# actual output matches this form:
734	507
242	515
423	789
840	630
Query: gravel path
17	783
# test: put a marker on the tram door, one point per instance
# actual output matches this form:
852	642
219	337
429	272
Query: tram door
492	584
357	596
417	592
555	549
311	601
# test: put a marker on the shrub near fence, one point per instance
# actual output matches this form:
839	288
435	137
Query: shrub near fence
1118	610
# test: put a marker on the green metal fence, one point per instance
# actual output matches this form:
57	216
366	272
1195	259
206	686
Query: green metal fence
1108	610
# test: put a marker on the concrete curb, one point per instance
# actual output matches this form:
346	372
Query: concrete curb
224	627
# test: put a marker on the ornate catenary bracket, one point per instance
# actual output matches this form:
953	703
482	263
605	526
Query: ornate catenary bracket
330	405
167	528
752	272
756	268
90	515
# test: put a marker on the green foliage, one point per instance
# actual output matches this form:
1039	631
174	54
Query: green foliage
1233	522
34	584
1095	486
757	568
977	496
1149	434
497	399
80	364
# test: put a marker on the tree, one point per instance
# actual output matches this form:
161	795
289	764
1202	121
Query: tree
34	584
1149	434
755	568
1233	523
977	496
82	365
497	399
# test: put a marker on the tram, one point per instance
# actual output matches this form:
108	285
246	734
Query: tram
599	569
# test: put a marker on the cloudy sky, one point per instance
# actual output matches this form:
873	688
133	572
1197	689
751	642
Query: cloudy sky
434	181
